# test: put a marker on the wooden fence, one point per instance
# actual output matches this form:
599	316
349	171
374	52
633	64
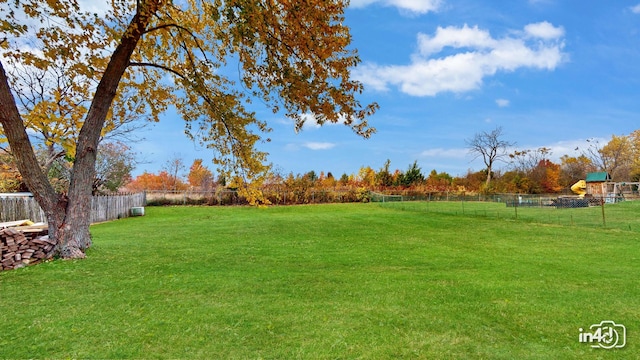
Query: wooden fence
106	208
103	208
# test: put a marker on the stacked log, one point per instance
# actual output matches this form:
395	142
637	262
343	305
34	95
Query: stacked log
22	247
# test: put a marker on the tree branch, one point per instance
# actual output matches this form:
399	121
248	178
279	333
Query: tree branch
181	29
158	66
26	160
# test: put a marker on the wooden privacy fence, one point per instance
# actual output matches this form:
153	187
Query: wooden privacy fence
20	208
103	208
112	207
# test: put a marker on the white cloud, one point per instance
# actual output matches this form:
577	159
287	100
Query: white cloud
319	145
310	122
575	147
544	30
635	9
503	102
95	7
476	55
412	6
444	153
465	37
567	147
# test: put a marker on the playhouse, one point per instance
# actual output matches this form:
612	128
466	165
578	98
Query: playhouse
599	185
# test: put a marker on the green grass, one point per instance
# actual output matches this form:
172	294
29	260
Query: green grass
327	282
621	216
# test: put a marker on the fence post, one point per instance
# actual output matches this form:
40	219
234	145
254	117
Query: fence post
604	221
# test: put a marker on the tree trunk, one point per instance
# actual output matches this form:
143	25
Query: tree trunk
70	227
488	161
73	236
69	216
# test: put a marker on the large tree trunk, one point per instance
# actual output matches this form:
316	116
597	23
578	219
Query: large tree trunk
69	215
70	227
74	237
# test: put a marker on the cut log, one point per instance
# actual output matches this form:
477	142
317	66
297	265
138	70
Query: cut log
47	239
10	231
22	246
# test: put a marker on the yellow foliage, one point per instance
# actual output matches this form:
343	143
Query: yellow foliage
293	55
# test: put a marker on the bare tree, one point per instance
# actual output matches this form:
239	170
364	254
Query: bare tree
114	163
490	146
525	161
173	166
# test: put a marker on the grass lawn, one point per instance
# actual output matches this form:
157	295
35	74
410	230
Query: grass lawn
622	216
340	281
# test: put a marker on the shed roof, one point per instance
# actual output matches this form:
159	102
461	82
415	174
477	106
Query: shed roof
598	177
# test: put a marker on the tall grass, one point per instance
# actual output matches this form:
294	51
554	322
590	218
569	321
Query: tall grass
324	282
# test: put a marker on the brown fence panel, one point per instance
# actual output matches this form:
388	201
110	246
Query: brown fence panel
21	208
106	208
103	208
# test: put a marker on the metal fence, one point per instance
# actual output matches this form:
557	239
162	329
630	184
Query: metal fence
103	208
619	212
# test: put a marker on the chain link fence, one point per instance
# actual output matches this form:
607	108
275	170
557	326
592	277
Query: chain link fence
609	211
613	212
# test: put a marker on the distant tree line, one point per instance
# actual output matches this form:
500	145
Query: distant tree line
525	171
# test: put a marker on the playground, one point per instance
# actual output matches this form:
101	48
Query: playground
598	187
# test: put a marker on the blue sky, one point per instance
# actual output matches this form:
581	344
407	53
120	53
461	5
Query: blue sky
551	73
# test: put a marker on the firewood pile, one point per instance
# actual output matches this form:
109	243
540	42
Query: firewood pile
22	245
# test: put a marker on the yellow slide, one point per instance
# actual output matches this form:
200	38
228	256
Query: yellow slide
579	188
